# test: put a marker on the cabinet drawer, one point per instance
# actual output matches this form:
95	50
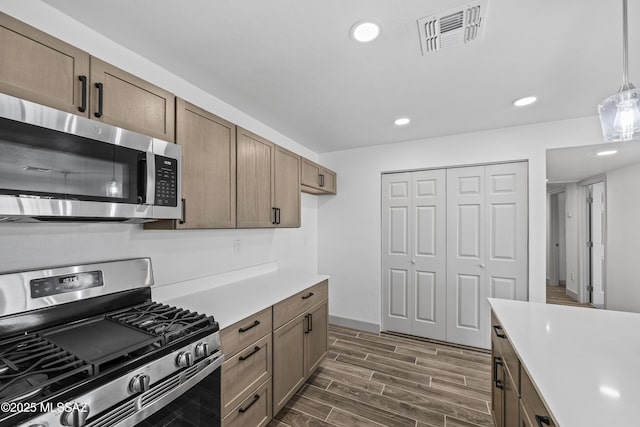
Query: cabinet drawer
293	306
242	373
532	403
239	335
254	411
505	349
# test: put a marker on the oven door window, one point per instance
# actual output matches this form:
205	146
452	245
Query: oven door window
198	407
41	162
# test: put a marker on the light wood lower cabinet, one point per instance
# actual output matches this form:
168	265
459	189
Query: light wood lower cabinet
270	355
300	341
514	399
255	410
245	371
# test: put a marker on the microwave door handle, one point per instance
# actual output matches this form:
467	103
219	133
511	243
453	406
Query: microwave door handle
142	180
150	182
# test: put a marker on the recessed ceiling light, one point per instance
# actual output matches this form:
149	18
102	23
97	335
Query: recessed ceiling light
606	153
526	100
402	121
365	31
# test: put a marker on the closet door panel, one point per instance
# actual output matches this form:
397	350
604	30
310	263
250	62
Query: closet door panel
429	254
396	257
467	290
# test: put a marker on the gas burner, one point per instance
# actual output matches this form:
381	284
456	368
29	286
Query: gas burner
30	365
162	320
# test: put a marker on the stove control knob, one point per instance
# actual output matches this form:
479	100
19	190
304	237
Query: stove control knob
75	416
184	359
202	350
139	383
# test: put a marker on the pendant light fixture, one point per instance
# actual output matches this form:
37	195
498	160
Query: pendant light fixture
620	113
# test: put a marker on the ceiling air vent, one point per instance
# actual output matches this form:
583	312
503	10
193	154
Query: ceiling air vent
458	26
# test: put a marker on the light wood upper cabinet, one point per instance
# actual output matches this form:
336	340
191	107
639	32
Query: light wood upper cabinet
287	188
129	102
317	179
255	181
208	170
40	68
268	183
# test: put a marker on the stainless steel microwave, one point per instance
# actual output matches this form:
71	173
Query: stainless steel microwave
56	166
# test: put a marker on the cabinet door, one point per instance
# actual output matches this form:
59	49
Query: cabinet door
40	68
288	361
497	388
287	188
255	181
208	168
328	181
316	337
130	102
310	174
511	401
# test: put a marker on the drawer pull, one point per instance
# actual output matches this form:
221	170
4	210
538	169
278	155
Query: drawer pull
499	334
497	361
308	296
307	328
253	325
543	419
246	408
254	351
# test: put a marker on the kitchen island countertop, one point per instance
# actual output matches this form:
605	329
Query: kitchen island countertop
235	301
584	362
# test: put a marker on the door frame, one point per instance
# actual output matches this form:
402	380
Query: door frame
583	236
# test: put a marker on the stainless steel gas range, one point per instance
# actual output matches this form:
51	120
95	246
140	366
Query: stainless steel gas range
86	346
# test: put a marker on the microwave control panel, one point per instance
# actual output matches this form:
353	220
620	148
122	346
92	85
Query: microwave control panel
166	181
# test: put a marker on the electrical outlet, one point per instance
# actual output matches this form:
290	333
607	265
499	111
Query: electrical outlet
236	247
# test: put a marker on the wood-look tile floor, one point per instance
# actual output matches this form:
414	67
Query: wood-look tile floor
372	379
558	295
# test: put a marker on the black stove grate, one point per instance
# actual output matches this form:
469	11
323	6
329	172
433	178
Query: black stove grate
33	367
168	322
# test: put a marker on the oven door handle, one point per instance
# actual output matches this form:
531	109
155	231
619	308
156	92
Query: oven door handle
213	362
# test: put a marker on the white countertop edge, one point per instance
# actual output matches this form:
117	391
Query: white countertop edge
231	302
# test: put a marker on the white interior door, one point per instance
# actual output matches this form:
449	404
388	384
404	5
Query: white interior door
396	259
466	286
429	254
598	241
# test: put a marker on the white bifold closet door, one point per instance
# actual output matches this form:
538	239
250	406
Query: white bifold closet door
451	239
414	251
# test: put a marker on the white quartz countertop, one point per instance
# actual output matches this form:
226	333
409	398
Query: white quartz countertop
234	301
584	362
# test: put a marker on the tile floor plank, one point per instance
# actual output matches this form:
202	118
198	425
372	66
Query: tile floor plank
383	379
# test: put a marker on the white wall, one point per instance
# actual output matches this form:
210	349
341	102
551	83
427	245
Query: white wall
622	290
176	255
349	223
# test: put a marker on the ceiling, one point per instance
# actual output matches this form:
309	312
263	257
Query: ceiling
567	165
292	65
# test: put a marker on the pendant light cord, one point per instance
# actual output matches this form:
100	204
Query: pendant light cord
625	50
